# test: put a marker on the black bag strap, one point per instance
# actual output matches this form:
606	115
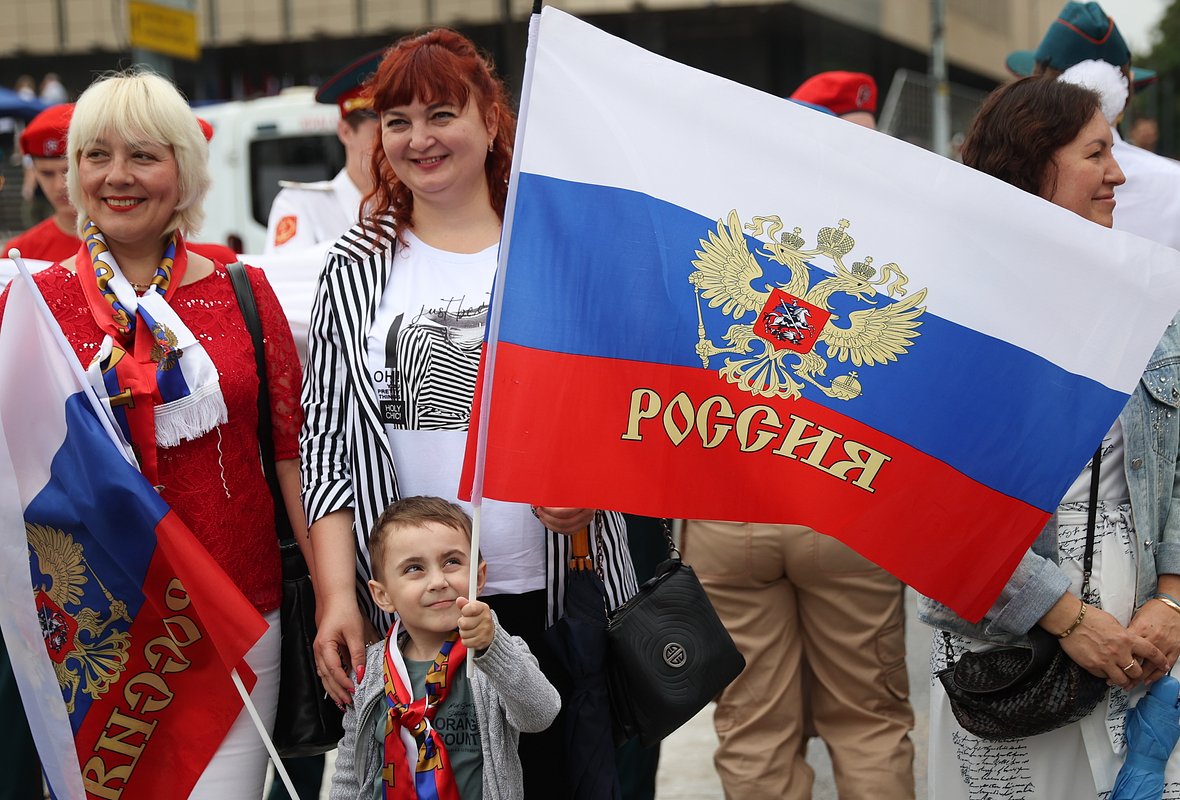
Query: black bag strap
266	445
1087	566
1091	519
666	525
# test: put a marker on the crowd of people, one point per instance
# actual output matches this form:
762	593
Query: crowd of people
51	92
369	434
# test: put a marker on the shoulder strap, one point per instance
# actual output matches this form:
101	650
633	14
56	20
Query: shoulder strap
266	445
1091	519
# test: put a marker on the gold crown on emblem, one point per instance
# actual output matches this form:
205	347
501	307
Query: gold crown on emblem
836	241
793	239
783	332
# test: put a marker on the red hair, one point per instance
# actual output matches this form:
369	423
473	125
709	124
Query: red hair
438	66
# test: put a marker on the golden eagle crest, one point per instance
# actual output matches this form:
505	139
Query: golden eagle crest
775	352
85	654
165	353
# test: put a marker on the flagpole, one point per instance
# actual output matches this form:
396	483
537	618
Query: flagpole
493	333
100	409
280	770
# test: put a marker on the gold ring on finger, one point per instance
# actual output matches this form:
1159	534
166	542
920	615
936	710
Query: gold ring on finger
1133	663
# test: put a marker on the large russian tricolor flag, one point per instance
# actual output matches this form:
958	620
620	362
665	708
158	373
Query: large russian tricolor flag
714	303
121	628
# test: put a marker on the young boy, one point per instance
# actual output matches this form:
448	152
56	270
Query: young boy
418	727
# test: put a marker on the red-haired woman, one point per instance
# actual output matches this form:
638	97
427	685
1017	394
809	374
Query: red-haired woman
393	352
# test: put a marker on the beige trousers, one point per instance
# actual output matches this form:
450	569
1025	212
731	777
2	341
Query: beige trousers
816	622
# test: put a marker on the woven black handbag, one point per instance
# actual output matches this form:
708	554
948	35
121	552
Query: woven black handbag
308	721
1014	692
669	654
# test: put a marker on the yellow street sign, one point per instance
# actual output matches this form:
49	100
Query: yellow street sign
165	30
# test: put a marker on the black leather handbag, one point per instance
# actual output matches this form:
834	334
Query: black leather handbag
669	654
308	721
1014	692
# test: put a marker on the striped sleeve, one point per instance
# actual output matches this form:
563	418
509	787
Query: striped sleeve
345	456
323	443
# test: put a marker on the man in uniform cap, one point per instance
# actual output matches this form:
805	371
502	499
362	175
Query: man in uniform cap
304	214
830	659
1148	204
849	95
44	141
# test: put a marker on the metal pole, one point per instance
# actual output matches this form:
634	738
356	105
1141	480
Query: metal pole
507	60
158	63
211	32
62	26
940	133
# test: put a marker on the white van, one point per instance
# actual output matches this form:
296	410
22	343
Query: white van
256	144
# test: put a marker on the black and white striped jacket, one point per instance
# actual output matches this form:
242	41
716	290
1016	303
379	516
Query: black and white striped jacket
345	457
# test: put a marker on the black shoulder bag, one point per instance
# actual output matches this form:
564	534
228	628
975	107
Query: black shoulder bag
1015	692
669	653
308	721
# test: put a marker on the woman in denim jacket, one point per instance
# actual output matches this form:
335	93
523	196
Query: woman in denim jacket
1126	629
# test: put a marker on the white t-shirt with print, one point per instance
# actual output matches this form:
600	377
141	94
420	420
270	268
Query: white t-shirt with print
423	355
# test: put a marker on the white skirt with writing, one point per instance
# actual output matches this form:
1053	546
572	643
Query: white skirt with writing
1080	760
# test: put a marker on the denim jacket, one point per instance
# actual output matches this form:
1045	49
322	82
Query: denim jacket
1151	429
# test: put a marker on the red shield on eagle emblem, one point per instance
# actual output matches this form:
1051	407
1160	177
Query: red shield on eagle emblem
58	627
790	323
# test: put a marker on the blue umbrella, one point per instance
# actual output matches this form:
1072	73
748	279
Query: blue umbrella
1153	726
13	105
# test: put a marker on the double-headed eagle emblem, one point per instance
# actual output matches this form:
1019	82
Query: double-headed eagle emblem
87	653
775	352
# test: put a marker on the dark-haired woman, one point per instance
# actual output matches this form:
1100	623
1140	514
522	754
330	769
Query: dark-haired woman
1051	139
393	352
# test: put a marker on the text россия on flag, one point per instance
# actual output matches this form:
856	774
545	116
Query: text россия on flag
121	628
717	304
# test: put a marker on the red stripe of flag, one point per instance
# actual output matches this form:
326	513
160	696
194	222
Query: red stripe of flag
658	440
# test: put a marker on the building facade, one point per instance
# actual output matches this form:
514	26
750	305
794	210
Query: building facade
251	47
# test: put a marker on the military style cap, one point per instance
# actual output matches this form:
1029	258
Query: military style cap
347	87
45	136
1081	32
839	92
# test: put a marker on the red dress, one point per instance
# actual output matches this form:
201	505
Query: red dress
215	482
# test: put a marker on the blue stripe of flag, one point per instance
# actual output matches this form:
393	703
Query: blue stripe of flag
621	290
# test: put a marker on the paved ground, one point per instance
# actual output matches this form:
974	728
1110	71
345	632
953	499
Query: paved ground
686	757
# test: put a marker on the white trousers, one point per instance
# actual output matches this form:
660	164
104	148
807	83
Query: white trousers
238	768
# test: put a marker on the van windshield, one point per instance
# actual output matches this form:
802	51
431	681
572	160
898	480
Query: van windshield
311	157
